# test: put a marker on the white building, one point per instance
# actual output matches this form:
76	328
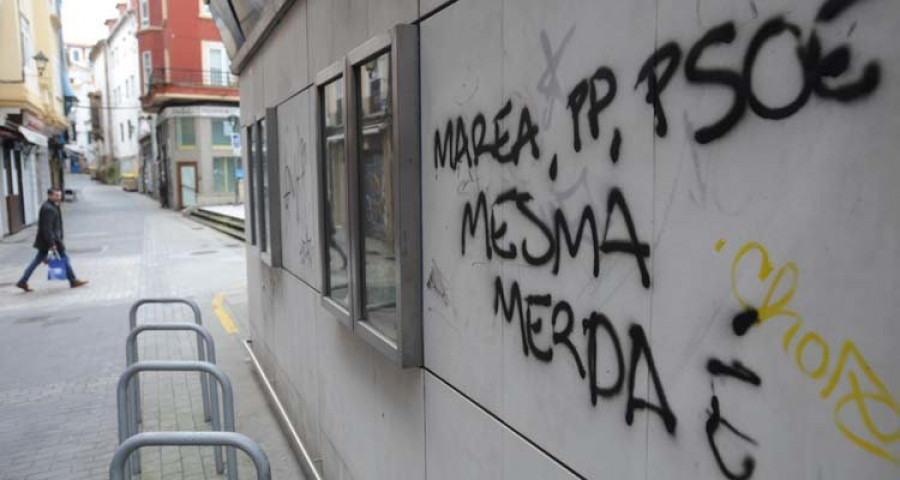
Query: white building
81	80
117	78
101	140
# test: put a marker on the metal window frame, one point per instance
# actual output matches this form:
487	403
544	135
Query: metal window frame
250	169
330	74
272	216
402	41
262	240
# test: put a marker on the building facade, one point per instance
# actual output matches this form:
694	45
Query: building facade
188	86
575	239
32	109
124	90
81	81
115	102
101	140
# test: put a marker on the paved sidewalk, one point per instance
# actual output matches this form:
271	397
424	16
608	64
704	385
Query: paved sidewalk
62	350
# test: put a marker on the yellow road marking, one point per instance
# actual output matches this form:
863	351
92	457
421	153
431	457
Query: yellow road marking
222	314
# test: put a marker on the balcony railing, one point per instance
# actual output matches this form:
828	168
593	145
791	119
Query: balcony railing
192	78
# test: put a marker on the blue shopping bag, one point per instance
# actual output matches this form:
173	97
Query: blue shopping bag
56	267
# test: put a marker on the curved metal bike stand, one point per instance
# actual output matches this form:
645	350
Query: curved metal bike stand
209	391
164	439
181	366
198	319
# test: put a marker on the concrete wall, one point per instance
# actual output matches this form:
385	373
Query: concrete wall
736	264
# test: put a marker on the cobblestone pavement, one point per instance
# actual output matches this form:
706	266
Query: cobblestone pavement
62	350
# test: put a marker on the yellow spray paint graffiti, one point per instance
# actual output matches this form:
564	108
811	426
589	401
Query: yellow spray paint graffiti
865	389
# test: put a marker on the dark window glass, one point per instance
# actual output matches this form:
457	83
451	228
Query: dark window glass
263	183
376	215
335	166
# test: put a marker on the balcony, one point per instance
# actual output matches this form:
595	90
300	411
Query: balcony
191	78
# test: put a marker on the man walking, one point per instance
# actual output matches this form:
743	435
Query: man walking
50	239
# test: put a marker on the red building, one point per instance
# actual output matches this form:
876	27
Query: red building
188	88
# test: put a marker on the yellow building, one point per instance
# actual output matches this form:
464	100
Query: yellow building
32	111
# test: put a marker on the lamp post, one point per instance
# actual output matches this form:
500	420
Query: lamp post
40	61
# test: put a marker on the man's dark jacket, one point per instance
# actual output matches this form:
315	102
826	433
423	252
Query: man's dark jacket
50	228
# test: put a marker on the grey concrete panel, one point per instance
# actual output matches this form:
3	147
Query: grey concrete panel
335	27
284	55
371	411
460	346
384	14
299	194
466	442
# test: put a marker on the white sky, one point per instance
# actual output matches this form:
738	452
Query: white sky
82	20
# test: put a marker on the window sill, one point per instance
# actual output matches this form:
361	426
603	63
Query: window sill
337	310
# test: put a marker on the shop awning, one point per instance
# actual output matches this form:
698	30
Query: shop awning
33	137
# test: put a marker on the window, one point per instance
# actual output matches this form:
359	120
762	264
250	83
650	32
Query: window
121	132
221	132
132	87
249	140
217	65
145	13
262	184
185	132
370	205
204	9
27	45
76	55
147	63
263	192
127	89
336	238
224	179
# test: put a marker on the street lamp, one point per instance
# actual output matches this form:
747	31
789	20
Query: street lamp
41	61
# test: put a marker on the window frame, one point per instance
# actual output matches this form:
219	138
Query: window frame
144	8
325	77
270	231
229	182
178	134
402	42
147	68
250	171
212	134
223	70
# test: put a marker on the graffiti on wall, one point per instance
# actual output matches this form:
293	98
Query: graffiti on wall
864	388
512	226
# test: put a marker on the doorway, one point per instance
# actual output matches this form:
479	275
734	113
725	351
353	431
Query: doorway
187	184
12	182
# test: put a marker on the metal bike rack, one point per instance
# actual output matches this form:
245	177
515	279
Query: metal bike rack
177	366
229	439
198	319
209	391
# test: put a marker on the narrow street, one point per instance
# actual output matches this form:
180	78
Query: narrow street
62	350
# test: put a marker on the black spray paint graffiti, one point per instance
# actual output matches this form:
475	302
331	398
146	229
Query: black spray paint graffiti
456	147
556	238
819	69
822	71
715	420
528	308
545	237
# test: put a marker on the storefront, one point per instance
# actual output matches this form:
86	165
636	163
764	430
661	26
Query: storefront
23	150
